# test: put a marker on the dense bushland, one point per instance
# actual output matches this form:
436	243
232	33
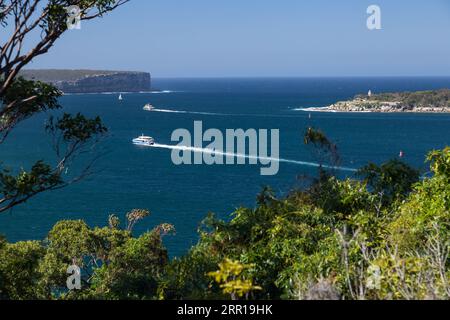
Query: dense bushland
430	98
382	236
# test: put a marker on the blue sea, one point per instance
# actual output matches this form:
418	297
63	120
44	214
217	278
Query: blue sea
127	176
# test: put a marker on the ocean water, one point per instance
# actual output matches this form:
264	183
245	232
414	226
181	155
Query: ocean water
127	176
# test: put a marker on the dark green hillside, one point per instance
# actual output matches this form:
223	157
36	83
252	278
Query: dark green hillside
55	75
91	81
430	98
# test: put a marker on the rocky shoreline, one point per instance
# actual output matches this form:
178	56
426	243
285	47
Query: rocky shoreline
437	101
381	109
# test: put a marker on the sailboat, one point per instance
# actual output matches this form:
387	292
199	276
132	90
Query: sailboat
120	97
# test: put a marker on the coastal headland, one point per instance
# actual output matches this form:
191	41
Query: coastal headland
91	81
433	101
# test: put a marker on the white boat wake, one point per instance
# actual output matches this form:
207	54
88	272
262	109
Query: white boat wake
189	112
224	114
164	91
245	156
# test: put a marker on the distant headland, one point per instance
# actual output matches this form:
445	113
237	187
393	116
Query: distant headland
92	81
433	101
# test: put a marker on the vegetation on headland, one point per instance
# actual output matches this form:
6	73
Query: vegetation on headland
433	101
433	98
60	75
91	81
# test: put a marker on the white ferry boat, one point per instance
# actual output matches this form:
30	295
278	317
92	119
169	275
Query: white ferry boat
149	107
144	141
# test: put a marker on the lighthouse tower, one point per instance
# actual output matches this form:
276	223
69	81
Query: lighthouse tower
369	94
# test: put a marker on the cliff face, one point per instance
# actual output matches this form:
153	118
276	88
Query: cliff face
91	81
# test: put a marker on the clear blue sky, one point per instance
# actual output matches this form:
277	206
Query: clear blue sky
196	38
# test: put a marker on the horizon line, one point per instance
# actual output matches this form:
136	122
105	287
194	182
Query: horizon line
299	77
240	76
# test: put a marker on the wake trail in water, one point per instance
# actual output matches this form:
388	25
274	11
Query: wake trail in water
226	114
246	156
189	112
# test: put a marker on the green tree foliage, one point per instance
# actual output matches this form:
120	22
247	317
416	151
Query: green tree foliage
324	149
337	244
19	270
433	98
114	264
386	236
340	244
21	99
393	179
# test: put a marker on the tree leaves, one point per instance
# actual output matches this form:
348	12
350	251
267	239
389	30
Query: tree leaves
76	128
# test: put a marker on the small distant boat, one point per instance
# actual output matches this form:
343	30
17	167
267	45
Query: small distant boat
402	154
120	97
149	107
144	141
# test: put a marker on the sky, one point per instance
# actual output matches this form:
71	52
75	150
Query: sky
261	38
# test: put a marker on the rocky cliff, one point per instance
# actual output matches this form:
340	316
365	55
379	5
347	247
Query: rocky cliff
432	101
92	81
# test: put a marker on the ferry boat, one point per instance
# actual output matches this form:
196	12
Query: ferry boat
149	107
144	141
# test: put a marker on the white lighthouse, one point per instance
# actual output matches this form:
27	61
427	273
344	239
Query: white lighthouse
369	94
